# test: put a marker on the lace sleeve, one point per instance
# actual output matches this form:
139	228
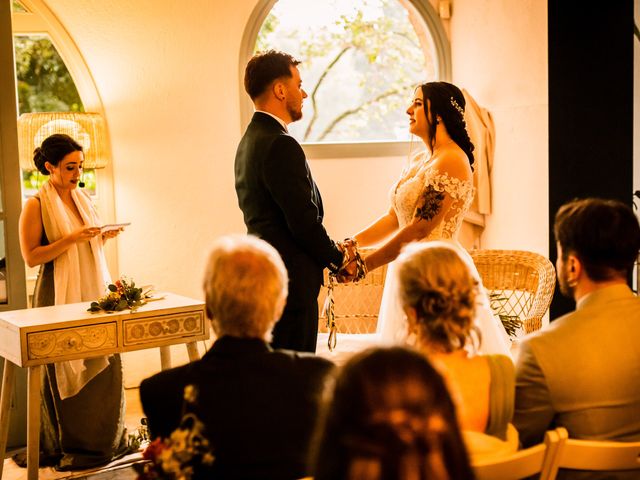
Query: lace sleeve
454	186
441	191
424	193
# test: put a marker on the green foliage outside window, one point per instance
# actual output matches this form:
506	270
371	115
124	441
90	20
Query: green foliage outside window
17	7
360	64
45	85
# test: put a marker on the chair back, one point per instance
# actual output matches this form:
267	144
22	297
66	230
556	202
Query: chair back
356	305
596	455
537	459
519	283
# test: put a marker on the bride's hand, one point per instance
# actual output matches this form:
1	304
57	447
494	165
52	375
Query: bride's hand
348	273
348	248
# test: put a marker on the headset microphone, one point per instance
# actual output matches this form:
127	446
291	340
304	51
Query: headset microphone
81	184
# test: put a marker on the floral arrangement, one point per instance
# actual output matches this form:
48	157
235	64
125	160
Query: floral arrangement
122	294
183	455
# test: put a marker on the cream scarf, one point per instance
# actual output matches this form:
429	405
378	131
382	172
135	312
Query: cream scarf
73	375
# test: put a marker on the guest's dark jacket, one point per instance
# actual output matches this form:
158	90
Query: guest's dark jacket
258	405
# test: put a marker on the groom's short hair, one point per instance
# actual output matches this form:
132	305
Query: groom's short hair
603	234
264	68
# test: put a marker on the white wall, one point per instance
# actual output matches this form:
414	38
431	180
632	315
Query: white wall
167	75
499	50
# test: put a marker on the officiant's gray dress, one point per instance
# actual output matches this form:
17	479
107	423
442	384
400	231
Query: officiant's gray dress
87	429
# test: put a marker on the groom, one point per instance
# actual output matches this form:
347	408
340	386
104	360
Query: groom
278	197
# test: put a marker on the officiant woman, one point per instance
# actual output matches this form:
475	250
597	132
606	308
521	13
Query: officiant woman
83	400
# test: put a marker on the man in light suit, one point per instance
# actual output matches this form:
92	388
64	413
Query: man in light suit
278	197
583	371
258	406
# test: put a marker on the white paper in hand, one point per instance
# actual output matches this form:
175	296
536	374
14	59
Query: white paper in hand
113	226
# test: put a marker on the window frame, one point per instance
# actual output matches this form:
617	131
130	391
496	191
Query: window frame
9	170
318	150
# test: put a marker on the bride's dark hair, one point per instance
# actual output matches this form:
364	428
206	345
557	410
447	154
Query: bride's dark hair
447	102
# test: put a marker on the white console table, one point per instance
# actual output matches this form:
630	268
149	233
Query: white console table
37	336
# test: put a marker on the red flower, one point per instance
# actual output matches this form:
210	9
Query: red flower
152	452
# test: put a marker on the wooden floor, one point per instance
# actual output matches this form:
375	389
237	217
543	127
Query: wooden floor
119	469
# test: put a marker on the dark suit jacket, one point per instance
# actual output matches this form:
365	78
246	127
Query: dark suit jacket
258	405
282	205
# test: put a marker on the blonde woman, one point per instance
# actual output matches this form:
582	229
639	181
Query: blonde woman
438	295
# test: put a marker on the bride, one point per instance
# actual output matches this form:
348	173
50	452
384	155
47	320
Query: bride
429	203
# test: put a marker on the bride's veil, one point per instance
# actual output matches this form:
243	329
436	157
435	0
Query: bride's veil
392	323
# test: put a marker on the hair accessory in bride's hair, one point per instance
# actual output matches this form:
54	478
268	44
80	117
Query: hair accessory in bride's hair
457	106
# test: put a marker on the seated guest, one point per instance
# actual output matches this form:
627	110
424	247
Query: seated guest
582	372
390	417
438	295
258	406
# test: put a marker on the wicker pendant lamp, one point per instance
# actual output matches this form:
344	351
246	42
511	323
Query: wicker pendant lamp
88	129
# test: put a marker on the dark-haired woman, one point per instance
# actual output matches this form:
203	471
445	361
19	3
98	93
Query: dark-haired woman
438	296
83	400
429	202
390	417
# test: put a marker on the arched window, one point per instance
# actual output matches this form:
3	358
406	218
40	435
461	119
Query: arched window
53	76
360	63
45	85
43	80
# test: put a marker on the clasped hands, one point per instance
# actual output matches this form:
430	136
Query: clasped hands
353	267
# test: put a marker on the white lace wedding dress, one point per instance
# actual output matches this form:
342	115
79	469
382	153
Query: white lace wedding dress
405	195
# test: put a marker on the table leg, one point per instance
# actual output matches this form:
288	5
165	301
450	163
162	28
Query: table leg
165	357
8	379
192	348
33	422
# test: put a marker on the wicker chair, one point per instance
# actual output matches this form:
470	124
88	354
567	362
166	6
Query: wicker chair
356	304
520	282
